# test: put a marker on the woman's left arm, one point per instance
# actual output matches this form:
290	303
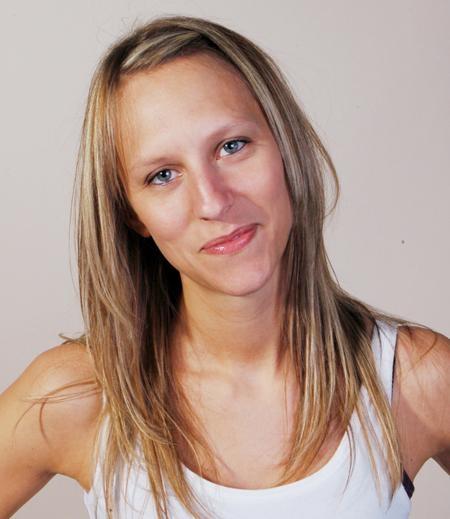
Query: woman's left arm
422	399
439	377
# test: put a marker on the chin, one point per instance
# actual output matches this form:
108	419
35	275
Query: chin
242	283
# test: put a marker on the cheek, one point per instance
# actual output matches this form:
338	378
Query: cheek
272	186
278	200
165	222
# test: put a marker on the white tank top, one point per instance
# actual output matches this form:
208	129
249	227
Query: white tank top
318	496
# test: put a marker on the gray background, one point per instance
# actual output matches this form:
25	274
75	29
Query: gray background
372	76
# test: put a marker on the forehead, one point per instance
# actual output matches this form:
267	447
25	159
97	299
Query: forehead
184	89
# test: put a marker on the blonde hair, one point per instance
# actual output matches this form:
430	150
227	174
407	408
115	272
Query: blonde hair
129	293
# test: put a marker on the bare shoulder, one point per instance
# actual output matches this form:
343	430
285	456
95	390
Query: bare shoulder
66	374
49	418
64	365
71	419
422	395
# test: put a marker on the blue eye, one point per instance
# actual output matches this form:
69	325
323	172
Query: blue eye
234	148
150	180
165	180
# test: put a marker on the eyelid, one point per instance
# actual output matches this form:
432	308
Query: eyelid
246	140
151	176
148	180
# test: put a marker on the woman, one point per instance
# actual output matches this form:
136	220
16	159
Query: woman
223	371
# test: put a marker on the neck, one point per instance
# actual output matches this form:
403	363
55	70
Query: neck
229	335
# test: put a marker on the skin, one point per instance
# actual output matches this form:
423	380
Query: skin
226	349
227	352
205	191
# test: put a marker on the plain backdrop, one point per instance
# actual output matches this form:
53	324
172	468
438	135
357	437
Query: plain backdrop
372	76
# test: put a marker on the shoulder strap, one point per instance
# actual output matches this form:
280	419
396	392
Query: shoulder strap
384	341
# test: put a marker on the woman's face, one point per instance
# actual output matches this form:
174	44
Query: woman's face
201	161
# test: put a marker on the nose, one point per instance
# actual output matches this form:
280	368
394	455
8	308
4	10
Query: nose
211	195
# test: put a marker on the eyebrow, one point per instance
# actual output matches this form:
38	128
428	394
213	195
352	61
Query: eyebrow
147	161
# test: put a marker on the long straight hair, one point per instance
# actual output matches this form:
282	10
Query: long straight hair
130	294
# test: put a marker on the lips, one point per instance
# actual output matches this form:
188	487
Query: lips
228	237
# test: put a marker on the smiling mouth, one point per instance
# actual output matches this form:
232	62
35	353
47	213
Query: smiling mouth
236	242
224	239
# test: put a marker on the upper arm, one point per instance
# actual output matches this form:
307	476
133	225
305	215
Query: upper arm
38	441
425	384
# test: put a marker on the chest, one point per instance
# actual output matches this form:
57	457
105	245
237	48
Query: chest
249	434
249	431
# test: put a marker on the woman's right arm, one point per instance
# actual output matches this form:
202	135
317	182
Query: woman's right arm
35	446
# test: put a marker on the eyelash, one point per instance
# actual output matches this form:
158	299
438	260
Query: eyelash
150	179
